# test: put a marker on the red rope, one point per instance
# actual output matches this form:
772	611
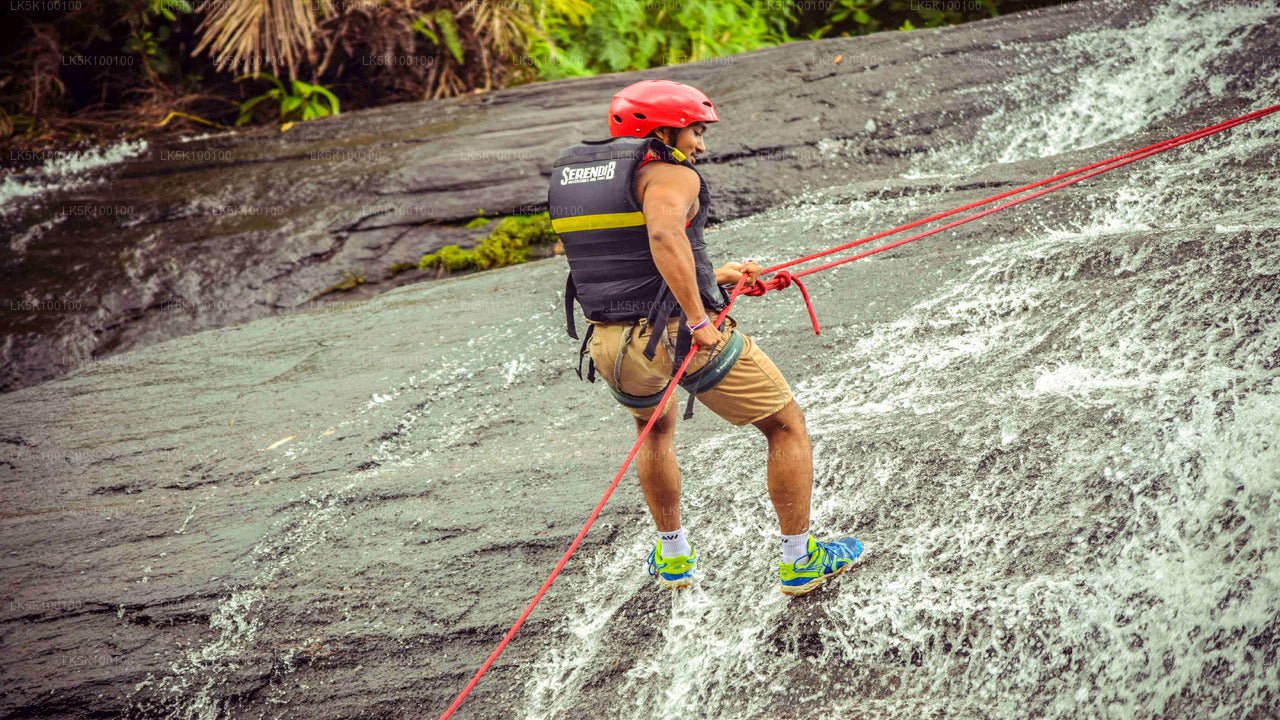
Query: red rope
782	279
1134	158
1163	144
671	387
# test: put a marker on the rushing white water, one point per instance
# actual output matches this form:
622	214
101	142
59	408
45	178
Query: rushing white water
64	170
1066	464
1127	79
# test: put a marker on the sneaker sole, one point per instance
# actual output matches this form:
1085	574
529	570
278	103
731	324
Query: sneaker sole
797	590
675	584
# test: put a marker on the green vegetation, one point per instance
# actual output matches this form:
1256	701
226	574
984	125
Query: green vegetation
449	258
100	69
862	17
302	101
352	280
510	243
635	35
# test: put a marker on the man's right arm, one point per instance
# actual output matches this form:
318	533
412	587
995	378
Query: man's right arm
669	195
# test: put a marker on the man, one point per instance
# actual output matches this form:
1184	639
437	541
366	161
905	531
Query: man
631	211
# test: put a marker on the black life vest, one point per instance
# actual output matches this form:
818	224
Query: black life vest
593	208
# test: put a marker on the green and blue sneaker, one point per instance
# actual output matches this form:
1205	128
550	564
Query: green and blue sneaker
673	572
823	561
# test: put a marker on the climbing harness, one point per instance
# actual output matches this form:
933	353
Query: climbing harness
695	383
627	400
782	279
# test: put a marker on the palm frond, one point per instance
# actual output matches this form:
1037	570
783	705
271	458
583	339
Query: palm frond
248	35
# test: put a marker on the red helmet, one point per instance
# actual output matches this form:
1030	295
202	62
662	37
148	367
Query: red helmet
641	107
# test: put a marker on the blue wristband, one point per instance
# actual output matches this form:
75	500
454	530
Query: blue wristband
706	319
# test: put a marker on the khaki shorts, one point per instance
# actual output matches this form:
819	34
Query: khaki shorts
751	391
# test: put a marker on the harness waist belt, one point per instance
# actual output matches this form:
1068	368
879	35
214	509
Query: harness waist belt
710	375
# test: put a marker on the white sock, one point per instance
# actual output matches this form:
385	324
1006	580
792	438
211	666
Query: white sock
795	547
674	543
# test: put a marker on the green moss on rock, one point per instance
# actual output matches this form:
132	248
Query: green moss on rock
510	243
352	280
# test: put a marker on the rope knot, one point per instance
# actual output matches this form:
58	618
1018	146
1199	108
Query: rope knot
782	280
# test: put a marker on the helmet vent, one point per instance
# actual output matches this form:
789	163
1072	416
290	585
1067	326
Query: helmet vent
644	106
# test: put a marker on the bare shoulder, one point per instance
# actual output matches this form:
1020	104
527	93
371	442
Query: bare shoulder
678	178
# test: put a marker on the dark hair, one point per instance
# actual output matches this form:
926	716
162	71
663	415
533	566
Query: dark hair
654	132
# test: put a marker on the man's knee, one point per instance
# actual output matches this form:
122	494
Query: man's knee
787	421
664	425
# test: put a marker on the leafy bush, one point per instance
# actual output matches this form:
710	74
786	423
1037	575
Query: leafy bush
302	101
863	17
616	36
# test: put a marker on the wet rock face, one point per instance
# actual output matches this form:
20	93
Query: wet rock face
1053	427
214	232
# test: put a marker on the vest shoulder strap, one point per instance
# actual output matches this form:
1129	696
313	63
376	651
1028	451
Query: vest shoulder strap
589	151
570	293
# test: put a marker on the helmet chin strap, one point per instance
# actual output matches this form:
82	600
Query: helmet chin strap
675	152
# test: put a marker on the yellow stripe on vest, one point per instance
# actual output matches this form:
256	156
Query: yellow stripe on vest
603	221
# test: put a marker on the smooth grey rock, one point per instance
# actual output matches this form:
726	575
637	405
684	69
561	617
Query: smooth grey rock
164	555
256	223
